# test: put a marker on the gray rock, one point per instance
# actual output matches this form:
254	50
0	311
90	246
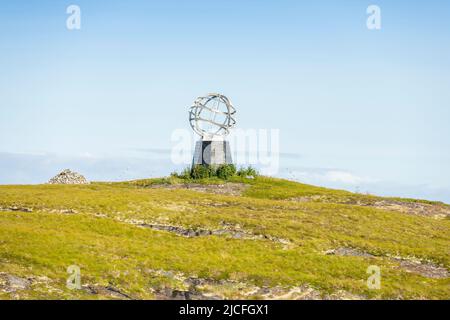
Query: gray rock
11	283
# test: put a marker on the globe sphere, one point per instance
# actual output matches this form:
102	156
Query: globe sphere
212	116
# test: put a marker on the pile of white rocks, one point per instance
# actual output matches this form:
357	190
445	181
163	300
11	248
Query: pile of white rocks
68	177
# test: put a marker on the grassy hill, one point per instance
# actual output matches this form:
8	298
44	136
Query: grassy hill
244	238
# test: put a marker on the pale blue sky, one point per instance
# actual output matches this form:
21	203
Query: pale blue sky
364	110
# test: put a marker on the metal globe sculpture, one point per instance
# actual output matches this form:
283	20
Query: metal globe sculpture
212	117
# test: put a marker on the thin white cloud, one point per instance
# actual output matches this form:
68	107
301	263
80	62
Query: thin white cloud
344	177
330	176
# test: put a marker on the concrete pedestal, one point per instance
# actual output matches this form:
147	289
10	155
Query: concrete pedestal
212	153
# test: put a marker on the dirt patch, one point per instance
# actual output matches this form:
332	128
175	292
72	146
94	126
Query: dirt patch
16	208
26	209
437	211
230	188
425	269
175	294
344	295
63	211
348	252
194	288
416	208
107	291
233	233
10	283
295	293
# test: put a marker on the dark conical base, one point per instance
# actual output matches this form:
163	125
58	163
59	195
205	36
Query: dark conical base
212	153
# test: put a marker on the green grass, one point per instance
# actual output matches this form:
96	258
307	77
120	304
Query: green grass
112	251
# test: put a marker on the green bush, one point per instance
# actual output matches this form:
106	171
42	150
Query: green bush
225	171
201	172
247	172
185	174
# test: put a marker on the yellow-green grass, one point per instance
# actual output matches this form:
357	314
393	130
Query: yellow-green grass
99	236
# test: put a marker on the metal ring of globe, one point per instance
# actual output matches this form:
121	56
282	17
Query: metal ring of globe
212	116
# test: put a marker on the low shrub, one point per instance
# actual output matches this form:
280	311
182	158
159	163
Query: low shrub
201	172
223	172
247	172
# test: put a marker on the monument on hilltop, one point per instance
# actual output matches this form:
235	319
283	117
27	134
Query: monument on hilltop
212	117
